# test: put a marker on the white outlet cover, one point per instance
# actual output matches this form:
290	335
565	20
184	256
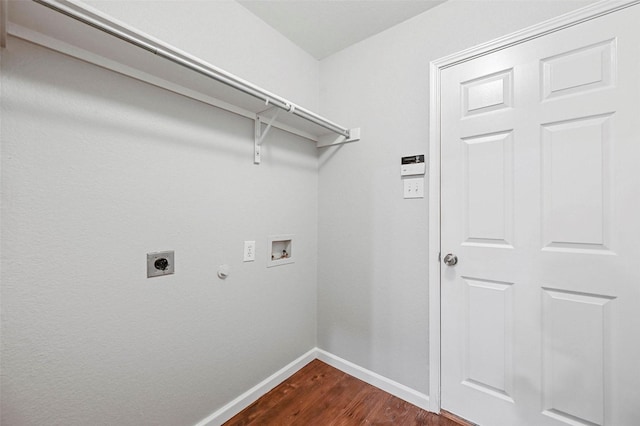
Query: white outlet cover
414	188
249	251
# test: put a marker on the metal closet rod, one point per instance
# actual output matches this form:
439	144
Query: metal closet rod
198	66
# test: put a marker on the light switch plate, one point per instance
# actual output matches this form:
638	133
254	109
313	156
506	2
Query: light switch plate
414	188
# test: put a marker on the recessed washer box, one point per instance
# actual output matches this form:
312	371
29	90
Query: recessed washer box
280	250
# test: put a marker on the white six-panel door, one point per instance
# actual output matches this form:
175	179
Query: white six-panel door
540	202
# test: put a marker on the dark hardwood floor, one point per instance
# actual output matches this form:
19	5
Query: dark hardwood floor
319	394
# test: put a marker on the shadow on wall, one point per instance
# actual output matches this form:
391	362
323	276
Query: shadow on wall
346	310
208	129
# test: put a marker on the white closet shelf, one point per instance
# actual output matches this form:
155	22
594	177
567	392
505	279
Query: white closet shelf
80	31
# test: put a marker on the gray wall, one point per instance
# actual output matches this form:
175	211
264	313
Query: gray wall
228	36
97	171
373	251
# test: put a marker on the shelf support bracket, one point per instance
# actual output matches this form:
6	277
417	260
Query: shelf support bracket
260	134
332	140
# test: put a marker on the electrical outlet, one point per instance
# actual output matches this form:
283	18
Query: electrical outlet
414	188
160	263
249	251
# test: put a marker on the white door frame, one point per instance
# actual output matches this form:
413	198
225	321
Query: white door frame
436	67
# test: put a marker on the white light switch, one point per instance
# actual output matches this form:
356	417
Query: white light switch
414	188
249	251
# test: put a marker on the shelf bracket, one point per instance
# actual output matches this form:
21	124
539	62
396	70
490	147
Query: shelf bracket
332	140
261	134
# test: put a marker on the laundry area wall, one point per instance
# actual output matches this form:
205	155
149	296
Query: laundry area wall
373	253
99	169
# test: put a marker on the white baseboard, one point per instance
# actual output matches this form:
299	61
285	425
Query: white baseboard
249	397
394	388
243	401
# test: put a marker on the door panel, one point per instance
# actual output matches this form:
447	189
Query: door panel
573	355
579	70
540	175
488	356
488	169
576	167
487	93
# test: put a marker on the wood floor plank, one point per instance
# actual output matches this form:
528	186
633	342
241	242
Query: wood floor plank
363	404
280	403
394	411
299	409
329	403
321	395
